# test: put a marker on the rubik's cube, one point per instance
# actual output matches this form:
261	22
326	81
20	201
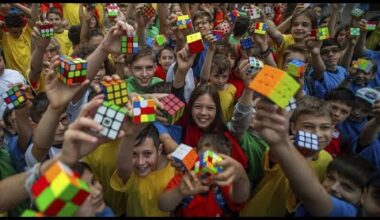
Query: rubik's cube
110	117
354	31
115	91
60	191
186	156
112	10
357	12
148	10
129	44
184	22
153	32
261	28
292	105
253	13
47	30
364	65
233	15
246	43
144	110
195	43
14	97
224	26
205	167
218	34
296	68
72	70
306	142
31	213
371	25
275	84
173	108
161	40
255	65
323	33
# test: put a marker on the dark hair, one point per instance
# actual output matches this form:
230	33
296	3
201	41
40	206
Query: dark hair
39	106
353	168
53	10
308	13
143	52
201	14
6	117
148	132
203	89
329	42
94	33
74	34
310	105
80	167
241	25
221	63
161	87
341	94
13	20
216	139
166	47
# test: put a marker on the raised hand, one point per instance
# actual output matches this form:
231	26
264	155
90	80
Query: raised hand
112	41
192	185
232	171
184	59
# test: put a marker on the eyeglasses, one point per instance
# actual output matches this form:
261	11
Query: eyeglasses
141	68
327	51
64	120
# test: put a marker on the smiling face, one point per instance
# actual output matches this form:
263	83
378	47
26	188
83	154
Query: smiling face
166	59
362	78
56	20
301	27
61	129
145	157
203	111
143	70
202	25
340	111
360	110
330	55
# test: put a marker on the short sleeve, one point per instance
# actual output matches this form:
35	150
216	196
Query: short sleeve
117	183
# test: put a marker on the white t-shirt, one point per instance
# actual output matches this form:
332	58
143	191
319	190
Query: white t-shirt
73	110
189	81
8	78
31	160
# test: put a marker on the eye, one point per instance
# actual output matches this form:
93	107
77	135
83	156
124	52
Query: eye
347	187
147	154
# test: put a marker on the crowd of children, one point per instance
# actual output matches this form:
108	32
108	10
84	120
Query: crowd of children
209	57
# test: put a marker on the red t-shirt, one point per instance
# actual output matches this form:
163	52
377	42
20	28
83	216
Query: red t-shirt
235	80
204	205
160	72
334	147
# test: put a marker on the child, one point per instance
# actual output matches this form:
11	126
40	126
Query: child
164	59
272	124
341	101
188	196
142	170
54	16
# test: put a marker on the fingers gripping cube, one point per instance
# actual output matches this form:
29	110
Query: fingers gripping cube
306	142
14	97
296	68
144	110
72	71
371	25
160	40
129	44
148	11
47	30
206	164
173	108
59	192
110	117
255	65
186	156
112	10
261	28
195	43
364	65
115	91
184	22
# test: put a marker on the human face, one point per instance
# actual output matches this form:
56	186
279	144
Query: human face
342	188
15	31
340	111
143	70
342	37
371	202
61	129
317	11
202	25
145	158
322	126
93	22
203	111
330	55
166	59
231	59
362	78
50	52
176	9
360	110
219	80
301	27
99	76
2	65
96	40
56	20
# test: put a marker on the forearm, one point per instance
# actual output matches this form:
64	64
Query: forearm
240	190
180	76
36	64
332	22
285	25
130	11
360	44
24	9
24	128
347	57
169	200
125	156
318	65
242	114
35	12
162	10
141	36
83	31
274	34
95	61
169	145
268	59
369	133
206	68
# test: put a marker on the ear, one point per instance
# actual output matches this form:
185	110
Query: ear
159	150
293	129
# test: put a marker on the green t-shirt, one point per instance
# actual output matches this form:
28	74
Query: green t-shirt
6	170
133	86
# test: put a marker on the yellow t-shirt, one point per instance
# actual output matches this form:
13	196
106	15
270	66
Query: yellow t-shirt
227	101
288	40
142	193
100	8
103	163
71	13
64	42
17	51
273	196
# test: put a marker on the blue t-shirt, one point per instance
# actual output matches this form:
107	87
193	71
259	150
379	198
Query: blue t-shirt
370	152
375	55
17	157
106	212
198	62
330	80
340	208
350	130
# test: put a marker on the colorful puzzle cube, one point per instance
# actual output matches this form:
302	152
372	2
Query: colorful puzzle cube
254	13
110	117
371	25
14	97
152	32
292	105
47	30
72	70
184	22
296	68
129	44
364	65
275	84
246	43
323	33
173	108
115	91
233	15
195	43
148	11
224	26
144	110
218	34
354	31
60	191
112	10
261	28
306	142
357	12
161	40
206	164
31	213
186	156
255	65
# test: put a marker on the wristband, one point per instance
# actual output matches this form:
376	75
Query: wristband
266	52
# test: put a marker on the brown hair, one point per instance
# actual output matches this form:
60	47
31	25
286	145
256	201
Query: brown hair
309	14
144	52
221	63
296	49
310	105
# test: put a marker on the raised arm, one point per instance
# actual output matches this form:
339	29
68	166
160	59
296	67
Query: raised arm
184	62
317	63
163	11
371	130
272	31
333	18
360	48
206	68
24	128
347	56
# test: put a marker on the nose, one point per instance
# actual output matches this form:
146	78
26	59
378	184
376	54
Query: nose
203	111
334	189
140	160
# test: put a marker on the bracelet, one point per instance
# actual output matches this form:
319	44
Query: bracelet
265	53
